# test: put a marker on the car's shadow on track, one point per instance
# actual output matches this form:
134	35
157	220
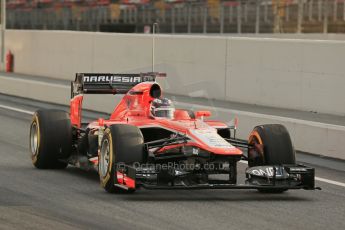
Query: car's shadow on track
90	175
144	195
211	195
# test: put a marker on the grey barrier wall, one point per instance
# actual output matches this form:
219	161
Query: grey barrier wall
306	75
296	74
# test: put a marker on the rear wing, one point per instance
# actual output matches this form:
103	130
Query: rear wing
108	83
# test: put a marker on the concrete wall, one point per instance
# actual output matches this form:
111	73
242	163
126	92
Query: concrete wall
62	54
296	74
299	74
308	36
305	75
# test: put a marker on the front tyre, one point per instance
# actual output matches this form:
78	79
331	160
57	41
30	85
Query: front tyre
121	144
272	146
50	139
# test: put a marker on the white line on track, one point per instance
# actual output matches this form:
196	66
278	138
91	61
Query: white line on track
16	109
243	162
330	181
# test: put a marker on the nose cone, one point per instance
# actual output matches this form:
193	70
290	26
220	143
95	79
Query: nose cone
213	142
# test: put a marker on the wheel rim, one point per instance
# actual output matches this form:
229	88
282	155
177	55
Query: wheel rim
34	138
105	158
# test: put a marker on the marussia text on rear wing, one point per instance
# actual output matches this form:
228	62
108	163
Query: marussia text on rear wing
109	83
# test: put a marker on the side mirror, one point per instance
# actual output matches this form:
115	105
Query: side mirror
203	113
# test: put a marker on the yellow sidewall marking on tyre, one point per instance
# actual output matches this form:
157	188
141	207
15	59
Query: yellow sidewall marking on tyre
34	157
104	180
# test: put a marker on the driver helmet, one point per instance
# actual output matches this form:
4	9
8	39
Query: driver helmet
162	107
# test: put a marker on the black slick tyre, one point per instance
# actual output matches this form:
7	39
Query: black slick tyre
121	144
50	139
277	148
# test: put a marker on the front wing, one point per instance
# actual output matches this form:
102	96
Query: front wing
281	177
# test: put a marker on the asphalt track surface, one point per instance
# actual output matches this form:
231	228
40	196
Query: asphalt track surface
72	198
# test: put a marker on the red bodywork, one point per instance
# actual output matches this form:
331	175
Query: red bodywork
134	109
185	139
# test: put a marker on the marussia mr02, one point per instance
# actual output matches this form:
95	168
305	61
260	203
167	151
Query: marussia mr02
148	143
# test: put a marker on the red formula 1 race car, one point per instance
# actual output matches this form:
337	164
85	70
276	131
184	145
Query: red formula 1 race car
148	143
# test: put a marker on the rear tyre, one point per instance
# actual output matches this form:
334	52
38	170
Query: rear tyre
123	144
272	146
50	139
